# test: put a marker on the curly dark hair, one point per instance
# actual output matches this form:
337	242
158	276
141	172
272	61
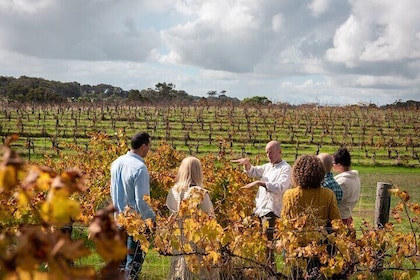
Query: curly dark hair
308	172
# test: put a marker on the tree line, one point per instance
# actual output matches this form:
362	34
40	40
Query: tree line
36	90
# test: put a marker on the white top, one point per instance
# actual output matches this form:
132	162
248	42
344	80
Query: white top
174	198
350	184
278	179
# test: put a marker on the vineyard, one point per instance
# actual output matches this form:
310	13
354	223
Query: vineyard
56	167
374	135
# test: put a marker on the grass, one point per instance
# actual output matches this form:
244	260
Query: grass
155	266
406	178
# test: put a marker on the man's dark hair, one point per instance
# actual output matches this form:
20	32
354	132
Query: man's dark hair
342	156
139	139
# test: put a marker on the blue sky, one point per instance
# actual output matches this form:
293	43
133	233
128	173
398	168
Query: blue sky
334	52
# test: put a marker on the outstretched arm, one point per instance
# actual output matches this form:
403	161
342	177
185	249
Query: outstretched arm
243	161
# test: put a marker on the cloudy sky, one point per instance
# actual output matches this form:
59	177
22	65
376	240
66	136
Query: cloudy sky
327	51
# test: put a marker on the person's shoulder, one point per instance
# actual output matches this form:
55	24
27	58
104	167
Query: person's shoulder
119	160
292	191
173	200
281	164
327	191
284	163
354	172
331	181
339	176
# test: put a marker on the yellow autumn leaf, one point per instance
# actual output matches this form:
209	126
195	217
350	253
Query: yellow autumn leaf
187	248
110	249
213	256
27	275
175	244
196	237
23	198
44	181
8	177
60	210
144	243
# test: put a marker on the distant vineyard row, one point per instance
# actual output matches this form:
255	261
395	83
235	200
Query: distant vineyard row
375	135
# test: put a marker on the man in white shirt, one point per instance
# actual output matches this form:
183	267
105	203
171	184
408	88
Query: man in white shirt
273	179
350	184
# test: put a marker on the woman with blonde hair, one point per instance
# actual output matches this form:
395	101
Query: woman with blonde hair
189	178
188	189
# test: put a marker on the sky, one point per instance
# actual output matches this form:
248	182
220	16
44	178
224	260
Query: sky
331	52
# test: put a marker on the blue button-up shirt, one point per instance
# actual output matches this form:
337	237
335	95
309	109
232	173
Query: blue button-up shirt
129	183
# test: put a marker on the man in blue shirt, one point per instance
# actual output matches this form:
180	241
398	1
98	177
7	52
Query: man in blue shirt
329	181
129	183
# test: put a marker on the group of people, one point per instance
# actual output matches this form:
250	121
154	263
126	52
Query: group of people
314	187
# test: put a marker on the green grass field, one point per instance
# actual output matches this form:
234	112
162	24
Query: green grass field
406	178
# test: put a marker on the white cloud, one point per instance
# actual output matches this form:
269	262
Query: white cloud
277	22
348	43
378	31
22	7
89	30
342	51
223	37
318	7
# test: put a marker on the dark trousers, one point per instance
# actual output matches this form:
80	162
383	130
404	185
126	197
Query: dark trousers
133	262
270	219
135	259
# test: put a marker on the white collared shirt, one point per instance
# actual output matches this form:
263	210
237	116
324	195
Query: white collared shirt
277	178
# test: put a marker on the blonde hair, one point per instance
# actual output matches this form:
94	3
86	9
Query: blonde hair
190	173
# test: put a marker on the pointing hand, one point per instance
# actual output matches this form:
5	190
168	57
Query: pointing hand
243	161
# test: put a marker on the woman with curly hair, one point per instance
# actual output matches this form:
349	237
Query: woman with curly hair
307	196
316	206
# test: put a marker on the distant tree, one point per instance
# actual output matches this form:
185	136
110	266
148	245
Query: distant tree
165	92
212	93
257	100
15	91
134	95
67	89
165	88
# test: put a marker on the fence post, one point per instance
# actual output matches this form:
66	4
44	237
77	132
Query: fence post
382	204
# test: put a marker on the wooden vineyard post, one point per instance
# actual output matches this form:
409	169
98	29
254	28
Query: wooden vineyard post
382	204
